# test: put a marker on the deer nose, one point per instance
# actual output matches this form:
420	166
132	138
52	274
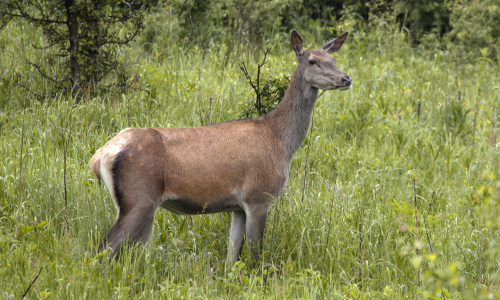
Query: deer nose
347	80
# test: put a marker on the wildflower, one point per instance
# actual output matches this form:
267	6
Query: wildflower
407	108
445	161
327	154
426	83
234	76
459	83
401	155
415	88
381	92
376	105
381	197
471	186
464	180
404	88
117	116
489	121
31	69
165	79
51	116
466	169
395	117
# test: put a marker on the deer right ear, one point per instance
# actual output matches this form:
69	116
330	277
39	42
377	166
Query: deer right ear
297	45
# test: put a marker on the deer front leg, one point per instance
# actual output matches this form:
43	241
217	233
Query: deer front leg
256	223
236	236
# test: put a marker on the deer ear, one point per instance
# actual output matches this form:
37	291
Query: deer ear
297	43
335	44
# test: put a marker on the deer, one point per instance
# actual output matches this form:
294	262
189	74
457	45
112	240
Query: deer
239	166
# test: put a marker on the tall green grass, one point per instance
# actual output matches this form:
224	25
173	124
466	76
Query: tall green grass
366	148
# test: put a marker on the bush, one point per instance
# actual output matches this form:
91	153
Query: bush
475	29
267	89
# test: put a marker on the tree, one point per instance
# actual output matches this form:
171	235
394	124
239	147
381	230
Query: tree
85	32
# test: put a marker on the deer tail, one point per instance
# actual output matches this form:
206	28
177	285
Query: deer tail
95	164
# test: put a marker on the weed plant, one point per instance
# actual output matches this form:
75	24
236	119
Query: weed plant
402	122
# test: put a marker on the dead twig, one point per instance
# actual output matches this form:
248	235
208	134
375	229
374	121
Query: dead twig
256	84
327	32
33	282
425	225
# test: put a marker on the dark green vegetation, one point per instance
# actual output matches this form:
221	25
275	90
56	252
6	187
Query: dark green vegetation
346	228
83	36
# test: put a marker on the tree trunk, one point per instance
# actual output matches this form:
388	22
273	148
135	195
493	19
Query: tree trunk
74	47
91	51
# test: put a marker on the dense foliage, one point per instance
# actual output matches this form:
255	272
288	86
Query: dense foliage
86	36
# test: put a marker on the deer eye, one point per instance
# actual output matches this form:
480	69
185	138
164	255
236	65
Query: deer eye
312	62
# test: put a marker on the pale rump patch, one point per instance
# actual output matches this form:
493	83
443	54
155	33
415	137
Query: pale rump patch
108	154
107	178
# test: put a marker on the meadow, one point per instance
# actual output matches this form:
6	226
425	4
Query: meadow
387	197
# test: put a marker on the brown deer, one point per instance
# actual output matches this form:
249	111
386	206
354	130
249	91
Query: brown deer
239	166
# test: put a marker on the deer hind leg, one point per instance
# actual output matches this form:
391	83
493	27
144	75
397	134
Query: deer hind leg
236	236
137	198
134	226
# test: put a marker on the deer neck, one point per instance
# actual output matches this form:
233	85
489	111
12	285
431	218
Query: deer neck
290	119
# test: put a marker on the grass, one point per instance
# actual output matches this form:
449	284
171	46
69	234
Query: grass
367	146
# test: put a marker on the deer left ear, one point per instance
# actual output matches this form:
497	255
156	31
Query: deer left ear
335	44
297	44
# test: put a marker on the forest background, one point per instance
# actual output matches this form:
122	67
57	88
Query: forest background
393	195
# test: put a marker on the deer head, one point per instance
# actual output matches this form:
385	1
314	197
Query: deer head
318	65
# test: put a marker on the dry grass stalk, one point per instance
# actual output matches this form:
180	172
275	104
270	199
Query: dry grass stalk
361	254
475	120
416	224
328	234
307	157
20	171
493	138
271	247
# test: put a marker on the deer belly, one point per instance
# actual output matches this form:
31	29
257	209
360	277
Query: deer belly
186	206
